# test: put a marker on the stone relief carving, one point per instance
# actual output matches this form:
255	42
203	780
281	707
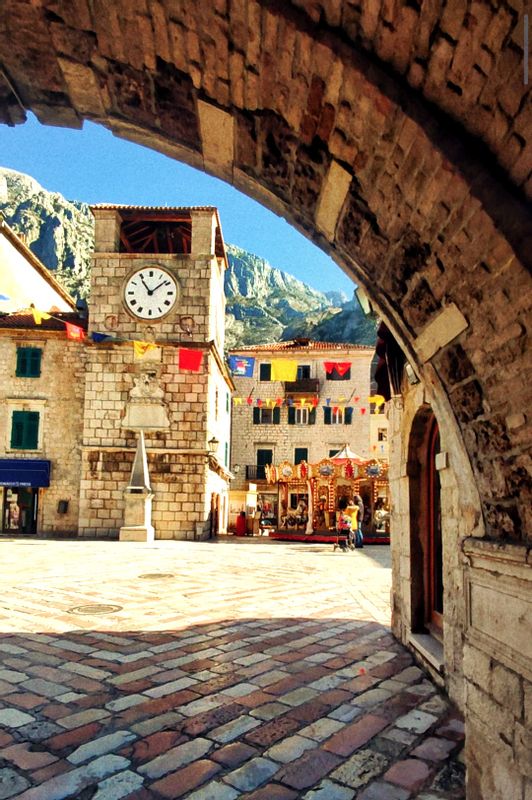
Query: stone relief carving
146	409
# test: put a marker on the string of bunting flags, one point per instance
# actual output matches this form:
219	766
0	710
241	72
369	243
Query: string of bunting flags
312	402
188	359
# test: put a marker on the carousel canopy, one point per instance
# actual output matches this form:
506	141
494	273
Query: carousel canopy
346	454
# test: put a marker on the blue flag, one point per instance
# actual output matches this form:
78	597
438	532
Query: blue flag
241	366
100	337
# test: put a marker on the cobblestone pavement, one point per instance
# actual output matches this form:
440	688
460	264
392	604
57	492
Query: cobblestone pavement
231	669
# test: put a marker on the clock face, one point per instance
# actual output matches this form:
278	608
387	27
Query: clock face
150	293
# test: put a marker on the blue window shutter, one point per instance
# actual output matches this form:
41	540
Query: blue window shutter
256	415
276	415
348	415
327	415
291	415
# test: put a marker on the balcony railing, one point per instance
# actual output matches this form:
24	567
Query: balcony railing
255	472
302	386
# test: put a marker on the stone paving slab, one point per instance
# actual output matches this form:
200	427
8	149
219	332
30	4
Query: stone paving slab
260	670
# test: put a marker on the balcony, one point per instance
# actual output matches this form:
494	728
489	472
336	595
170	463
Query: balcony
302	386
255	472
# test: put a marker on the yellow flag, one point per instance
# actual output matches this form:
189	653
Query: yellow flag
237	401
142	347
378	399
283	370
38	316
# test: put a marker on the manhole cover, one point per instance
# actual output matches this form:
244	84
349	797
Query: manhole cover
156	576
96	608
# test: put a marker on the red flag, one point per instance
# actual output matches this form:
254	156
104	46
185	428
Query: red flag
74	332
190	359
340	367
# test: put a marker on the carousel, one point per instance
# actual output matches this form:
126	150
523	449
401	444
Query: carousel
305	500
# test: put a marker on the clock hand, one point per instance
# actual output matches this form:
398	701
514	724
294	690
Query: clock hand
159	286
144	284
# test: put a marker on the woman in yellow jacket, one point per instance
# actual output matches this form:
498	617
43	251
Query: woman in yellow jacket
352	512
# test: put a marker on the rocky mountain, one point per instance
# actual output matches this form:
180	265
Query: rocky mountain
264	304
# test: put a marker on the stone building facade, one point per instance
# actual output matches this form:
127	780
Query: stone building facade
85	391
335	411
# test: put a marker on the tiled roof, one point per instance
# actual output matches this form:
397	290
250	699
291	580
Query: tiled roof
120	207
23	320
301	344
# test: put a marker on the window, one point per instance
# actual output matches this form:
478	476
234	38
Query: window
336	450
337	416
382	435
263	457
265	372
334	375
28	362
266	416
301	416
25	430
300	454
303	372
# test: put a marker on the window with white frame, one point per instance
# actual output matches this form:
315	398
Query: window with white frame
301	416
337	416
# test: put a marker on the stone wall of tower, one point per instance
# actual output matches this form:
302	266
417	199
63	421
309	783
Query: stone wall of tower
177	457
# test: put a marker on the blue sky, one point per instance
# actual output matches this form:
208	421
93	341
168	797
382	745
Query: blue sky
94	166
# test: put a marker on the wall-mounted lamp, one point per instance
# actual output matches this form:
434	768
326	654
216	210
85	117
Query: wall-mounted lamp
363	300
236	469
213	446
410	374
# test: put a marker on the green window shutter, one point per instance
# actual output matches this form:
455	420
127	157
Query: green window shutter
35	362
276	415
226	454
291	415
327	415
312	416
28	362
17	429
256	415
25	430
32	430
227	401
348	416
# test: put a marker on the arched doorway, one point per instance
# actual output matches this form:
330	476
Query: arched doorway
425	526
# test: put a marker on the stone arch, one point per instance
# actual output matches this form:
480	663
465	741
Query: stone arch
394	139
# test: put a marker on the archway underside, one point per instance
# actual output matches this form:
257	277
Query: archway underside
396	140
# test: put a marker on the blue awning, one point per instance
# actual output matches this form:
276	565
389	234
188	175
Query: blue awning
24	472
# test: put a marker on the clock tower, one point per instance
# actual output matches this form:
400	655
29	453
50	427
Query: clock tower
155	371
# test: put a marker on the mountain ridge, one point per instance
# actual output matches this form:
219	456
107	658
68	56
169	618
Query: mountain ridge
263	303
